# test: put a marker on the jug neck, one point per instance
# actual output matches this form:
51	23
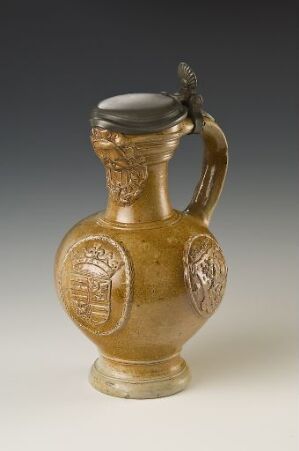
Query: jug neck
137	172
153	203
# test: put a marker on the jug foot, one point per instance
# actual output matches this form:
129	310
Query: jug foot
139	380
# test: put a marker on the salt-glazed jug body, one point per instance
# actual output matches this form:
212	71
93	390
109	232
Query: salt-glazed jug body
140	278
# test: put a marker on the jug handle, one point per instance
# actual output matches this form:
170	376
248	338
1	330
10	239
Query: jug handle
214	168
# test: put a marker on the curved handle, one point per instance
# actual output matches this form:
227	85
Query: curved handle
208	190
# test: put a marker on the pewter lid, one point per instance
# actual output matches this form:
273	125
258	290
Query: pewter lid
138	113
148	112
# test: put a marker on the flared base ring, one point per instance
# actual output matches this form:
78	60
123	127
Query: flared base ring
139	380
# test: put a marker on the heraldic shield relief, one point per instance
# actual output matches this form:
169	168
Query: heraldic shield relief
96	284
205	273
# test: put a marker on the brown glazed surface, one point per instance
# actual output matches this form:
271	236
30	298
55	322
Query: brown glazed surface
140	278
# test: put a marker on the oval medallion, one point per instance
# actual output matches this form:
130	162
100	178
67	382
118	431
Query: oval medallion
95	284
205	273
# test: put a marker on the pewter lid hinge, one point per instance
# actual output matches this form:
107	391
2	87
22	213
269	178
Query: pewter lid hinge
189	97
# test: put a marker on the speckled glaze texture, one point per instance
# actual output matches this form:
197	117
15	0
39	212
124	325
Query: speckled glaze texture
140	278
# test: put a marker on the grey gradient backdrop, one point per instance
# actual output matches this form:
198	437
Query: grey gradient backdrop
58	59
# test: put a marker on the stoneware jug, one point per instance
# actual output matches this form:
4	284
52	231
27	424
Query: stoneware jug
140	278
